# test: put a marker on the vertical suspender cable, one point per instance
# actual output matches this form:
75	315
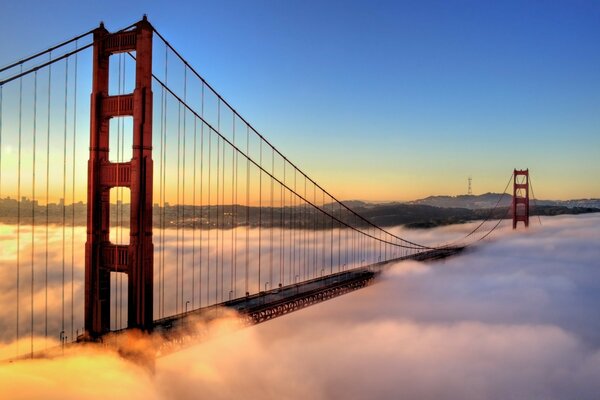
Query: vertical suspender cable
314	233
323	228
357	235
161	202
281	233
33	203
291	235
19	204
294	228
164	209
331	241
234	154
358	243
47	202
218	194
284	244
218	226
379	245
385	246
353	254
201	194
304	230
64	192
163	186
217	204
208	218
368	246
301	233
183	220
361	247
345	240
301	237
259	215
1	141
194	219
247	208
178	207
340	239
73	195
222	230
271	226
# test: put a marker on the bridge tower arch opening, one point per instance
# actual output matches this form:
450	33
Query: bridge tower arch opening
102	257
520	206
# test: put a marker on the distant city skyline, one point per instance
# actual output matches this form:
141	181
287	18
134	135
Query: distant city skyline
386	102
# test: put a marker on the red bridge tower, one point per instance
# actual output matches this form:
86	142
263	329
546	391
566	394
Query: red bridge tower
520	204
101	256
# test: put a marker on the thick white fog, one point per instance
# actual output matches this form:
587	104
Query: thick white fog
515	317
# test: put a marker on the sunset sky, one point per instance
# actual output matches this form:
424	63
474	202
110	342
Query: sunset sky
382	100
374	100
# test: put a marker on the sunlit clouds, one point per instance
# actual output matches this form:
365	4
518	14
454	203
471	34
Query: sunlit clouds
511	318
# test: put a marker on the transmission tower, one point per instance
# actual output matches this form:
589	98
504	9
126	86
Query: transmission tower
469	191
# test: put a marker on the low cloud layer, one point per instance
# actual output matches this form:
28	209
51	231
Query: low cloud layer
512	318
516	318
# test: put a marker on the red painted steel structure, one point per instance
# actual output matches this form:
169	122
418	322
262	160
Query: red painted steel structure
103	257
520	205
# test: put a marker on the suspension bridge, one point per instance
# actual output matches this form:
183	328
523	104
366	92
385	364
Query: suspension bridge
185	207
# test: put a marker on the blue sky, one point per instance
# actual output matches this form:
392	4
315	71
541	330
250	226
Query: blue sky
384	100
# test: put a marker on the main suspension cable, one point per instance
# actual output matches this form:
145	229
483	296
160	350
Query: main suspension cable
48	50
225	140
59	58
221	99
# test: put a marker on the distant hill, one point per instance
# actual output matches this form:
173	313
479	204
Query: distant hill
441	210
489	200
428	216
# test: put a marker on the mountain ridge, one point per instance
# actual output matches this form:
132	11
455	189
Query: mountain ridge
477	202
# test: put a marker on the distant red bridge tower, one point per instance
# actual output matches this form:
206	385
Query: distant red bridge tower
520	204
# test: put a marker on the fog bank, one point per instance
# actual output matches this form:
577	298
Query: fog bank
513	318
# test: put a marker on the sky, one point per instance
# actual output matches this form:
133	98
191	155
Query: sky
384	101
483	325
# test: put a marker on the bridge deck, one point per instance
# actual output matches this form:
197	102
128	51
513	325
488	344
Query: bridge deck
177	332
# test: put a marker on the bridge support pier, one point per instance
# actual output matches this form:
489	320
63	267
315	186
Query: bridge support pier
103	257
